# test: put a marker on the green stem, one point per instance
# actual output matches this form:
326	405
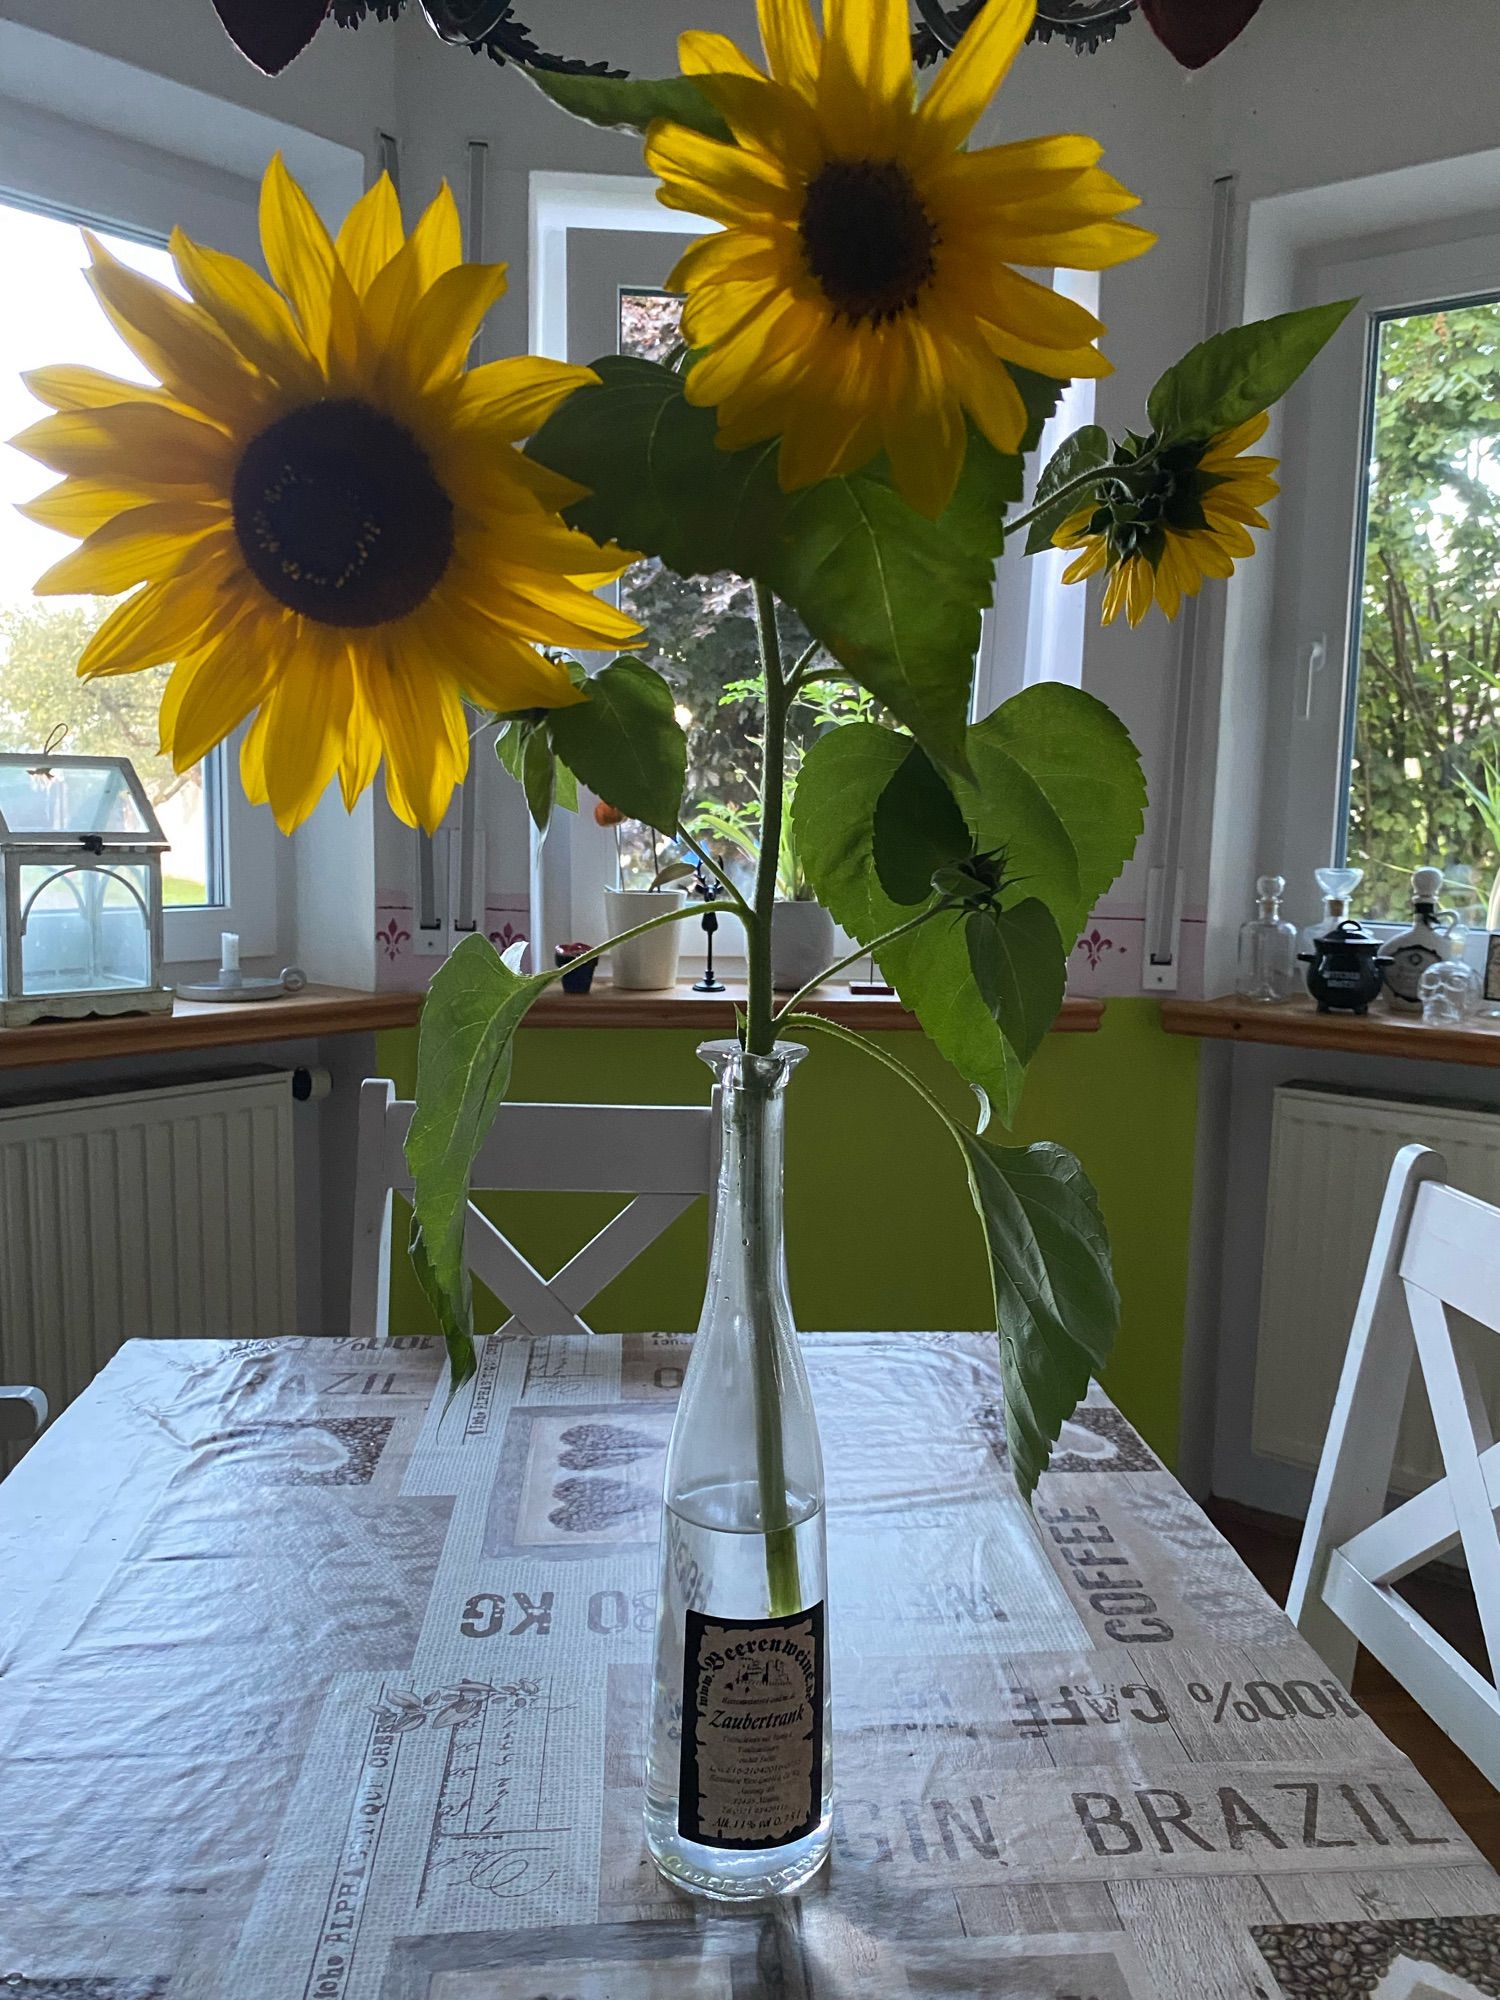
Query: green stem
760	1024
783	1584
862	951
819	1024
783	1581
1095	476
676	916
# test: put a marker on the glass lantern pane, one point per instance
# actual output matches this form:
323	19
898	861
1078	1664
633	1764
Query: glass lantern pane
85	928
61	797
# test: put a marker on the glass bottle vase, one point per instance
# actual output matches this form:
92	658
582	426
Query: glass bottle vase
739	1764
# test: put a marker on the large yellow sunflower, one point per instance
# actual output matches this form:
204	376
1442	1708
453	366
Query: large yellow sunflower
324	506
1158	535
860	296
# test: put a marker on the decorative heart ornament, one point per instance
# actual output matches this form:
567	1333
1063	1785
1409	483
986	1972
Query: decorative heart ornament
271	32
1198	30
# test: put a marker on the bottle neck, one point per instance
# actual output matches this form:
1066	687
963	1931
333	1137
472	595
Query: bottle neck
749	1251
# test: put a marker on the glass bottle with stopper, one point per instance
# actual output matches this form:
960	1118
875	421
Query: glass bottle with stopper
1407	957
1336	886
1268	947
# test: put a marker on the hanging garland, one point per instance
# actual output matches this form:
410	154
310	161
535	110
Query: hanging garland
272	32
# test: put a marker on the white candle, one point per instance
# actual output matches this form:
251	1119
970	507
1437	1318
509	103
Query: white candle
229	951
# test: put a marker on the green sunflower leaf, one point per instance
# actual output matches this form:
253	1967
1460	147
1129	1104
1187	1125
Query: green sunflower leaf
1056	1306
897	599
839	791
524	748
1021	968
918	829
473	1007
626	744
1085	451
630	103
1057	785
1235	375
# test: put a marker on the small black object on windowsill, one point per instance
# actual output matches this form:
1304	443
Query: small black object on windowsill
1343	973
710	921
579	976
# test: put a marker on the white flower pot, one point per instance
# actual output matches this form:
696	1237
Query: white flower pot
644	964
801	944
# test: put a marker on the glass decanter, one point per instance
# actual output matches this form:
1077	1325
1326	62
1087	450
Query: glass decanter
1336	886
1268	947
739	1768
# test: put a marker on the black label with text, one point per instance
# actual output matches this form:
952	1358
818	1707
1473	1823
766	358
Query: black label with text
752	1729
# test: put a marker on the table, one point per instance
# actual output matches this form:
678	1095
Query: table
311	1689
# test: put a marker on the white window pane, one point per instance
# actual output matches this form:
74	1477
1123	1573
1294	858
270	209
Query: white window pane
1426	713
41	638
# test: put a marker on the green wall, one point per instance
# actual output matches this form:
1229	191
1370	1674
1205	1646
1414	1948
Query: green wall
880	1230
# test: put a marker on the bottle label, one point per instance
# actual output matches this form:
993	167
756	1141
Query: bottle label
752	1729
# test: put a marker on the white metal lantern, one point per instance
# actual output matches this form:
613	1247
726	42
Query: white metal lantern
80	865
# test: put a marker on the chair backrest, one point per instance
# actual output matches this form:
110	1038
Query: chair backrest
661	1154
1435	1252
22	1414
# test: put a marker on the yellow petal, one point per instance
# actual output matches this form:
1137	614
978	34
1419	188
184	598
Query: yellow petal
371	235
444	322
252	758
1093	559
228	681
865	85
131	441
499	671
75	388
508	400
792	44
706	178
250	312
298	252
78	506
438	237
1140	586
700	53
408	704
972	74
175	339
150	628
173	695
768	116
144	546
307	712
361	758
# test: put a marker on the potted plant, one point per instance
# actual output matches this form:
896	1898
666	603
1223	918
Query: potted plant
646	961
357	543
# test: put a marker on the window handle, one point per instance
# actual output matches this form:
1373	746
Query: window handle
1314	659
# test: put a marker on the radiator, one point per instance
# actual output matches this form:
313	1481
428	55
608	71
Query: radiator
159	1212
1330	1154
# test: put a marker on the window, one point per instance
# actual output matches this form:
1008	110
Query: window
1422	770
702	641
41	699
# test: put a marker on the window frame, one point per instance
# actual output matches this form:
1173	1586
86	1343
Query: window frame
88	173
1320	545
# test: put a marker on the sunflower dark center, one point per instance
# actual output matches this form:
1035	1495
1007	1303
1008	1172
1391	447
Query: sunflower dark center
867	237
340	516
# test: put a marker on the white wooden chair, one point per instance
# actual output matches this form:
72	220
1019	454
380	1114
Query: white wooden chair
22	1414
662	1154
1435	1250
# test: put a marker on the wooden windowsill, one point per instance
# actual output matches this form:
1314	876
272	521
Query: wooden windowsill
206	1024
340	1010
1298	1024
713	1013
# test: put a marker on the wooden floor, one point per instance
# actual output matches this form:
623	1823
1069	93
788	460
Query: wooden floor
1267	1545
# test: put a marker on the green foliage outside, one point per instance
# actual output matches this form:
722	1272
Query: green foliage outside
115	716
1428	705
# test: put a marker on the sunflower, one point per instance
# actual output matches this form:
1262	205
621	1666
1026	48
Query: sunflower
1160	531
860	297
325	509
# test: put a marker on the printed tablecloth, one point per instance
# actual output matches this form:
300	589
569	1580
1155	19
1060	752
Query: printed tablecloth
313	1687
